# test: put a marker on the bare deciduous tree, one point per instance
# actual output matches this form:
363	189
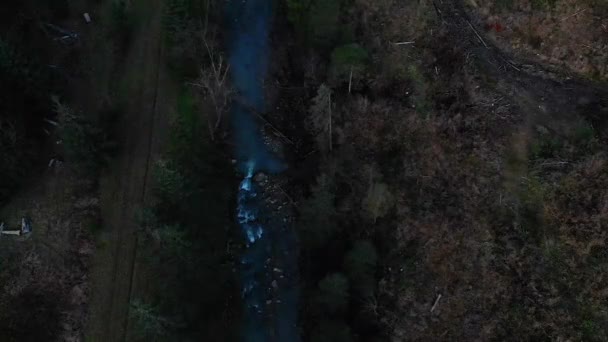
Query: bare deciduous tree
212	83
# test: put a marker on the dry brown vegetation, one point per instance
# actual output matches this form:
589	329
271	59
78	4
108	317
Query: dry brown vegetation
45	286
497	206
572	34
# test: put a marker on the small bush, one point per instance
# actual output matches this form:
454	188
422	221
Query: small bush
360	265
346	59
183	31
84	142
333	293
324	22
297	14
317	214
332	331
148	322
421	86
585	137
122	23
543	4
170	184
546	146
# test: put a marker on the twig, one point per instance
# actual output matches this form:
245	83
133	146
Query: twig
554	163
259	115
478	36
572	15
330	133
273	127
436	303
404	43
510	64
350	80
287	195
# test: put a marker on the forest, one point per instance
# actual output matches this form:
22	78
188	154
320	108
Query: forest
446	169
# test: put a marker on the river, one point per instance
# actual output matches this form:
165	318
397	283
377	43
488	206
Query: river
268	270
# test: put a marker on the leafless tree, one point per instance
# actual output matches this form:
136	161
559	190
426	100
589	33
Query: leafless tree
212	82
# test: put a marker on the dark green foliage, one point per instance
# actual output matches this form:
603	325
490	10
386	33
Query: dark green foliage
347	60
335	290
547	146
543	4
317	214
422	85
324	22
297	13
187	234
317	22
360	264
585	137
9	60
505	4
334	293
123	22
170	184
85	143
332	331
148	322
184	29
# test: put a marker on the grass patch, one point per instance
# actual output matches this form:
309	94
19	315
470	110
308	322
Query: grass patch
545	146
543	4
505	4
421	87
584	137
123	21
347	59
183	23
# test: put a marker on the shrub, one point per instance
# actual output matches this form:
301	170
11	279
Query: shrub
360	265
332	331
170	184
297	14
421	86
317	214
182	32
323	23
122	23
84	142
148	322
333	293
347	59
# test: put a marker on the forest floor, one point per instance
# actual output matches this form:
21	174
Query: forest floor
475	145
124	185
497	213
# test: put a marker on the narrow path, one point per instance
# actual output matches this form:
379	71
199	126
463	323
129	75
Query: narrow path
542	93
123	187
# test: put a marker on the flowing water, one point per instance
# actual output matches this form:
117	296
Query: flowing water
269	264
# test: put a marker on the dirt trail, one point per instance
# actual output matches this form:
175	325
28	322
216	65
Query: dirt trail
543	93
123	186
